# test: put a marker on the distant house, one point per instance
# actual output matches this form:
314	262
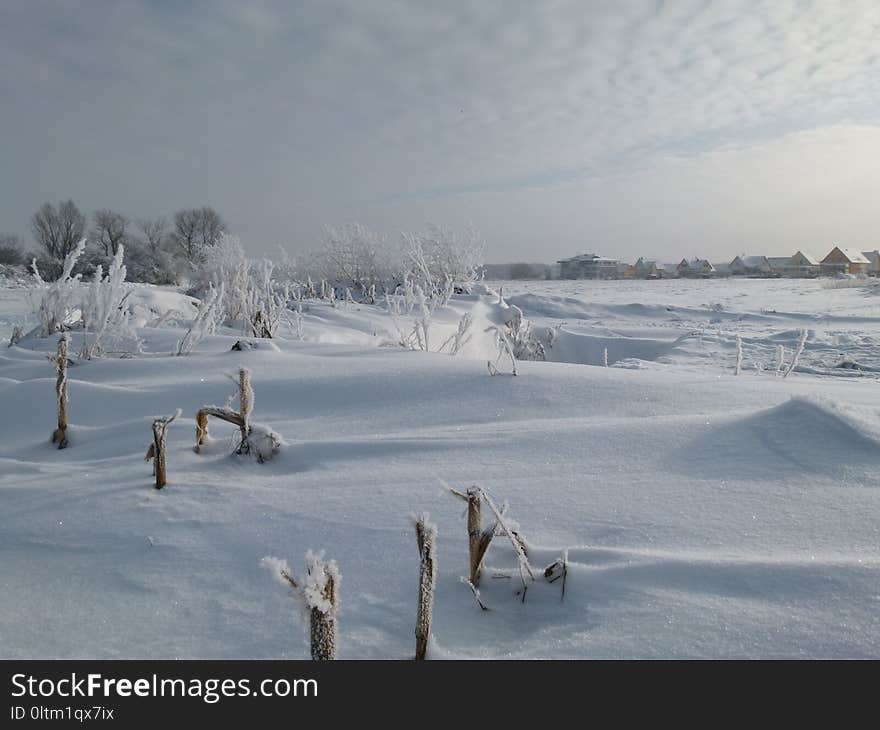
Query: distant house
588	266
695	269
874	258
803	265
845	261
646	269
750	266
779	265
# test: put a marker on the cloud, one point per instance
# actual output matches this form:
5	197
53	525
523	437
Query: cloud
806	190
288	115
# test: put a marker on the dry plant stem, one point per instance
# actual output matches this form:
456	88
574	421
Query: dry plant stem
323	626
224	414
157	449
426	536
60	435
478	539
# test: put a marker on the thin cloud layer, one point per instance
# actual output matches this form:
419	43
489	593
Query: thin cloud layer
289	115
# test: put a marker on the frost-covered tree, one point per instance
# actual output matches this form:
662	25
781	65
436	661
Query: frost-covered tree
439	258
352	256
224	267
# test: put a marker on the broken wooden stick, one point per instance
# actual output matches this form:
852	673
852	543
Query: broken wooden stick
157	451
59	436
556	570
426	536
319	589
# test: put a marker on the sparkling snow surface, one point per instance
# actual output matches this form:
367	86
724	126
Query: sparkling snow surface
704	514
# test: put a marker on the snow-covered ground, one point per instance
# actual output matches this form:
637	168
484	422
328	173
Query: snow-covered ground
704	514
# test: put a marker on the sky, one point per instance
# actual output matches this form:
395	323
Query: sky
663	128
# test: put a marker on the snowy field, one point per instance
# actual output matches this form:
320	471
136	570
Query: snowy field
704	514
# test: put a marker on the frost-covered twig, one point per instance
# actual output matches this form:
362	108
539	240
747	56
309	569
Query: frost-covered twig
210	314
507	529
502	342
319	589
476	592
739	355
797	353
461	337
780	359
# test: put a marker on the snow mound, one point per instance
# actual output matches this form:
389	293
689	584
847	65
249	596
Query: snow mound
805	434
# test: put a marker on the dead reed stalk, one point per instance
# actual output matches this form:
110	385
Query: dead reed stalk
426	536
157	448
59	436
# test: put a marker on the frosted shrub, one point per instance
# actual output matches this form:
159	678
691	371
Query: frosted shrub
461	336
505	350
354	257
519	332
264	302
58	307
206	321
439	258
104	310
225	269
412	301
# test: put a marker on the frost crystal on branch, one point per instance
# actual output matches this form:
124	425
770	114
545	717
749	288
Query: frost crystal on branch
319	589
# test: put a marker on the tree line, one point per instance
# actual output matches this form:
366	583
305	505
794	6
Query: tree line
157	250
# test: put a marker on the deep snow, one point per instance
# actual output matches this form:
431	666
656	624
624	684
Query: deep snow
705	515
